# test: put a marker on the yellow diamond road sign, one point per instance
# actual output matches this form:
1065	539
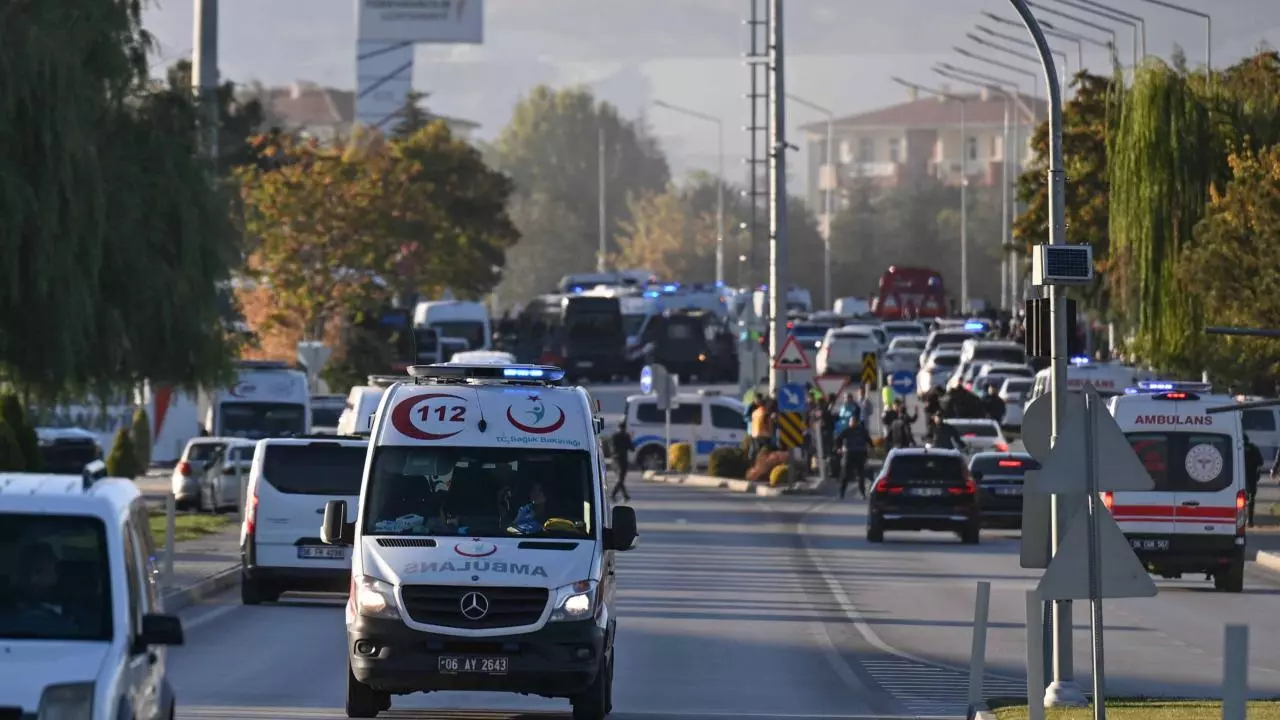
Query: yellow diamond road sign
870	371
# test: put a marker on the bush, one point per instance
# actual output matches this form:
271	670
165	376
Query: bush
11	457
778	475
680	457
141	435
123	459
728	462
765	463
13	415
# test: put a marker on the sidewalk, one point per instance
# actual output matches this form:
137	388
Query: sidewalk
202	568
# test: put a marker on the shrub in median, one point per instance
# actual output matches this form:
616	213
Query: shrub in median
140	433
123	459
728	462
24	433
765	463
778	475
680	457
10	451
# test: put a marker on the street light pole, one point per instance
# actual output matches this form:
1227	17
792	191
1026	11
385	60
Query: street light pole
1103	11
720	181
1062	80
1142	23
1086	23
204	71
828	204
1208	28
964	184
1027	44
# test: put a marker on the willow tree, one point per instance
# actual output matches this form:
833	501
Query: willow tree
1164	156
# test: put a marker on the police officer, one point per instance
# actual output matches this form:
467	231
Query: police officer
622	445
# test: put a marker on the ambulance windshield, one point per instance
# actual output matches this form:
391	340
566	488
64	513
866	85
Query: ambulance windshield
480	492
1185	462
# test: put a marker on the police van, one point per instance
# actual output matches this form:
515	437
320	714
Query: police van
82	630
483	542
706	420
1193	521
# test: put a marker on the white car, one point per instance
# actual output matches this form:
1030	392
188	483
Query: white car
937	370
185	483
908	342
1014	393
904	360
980	435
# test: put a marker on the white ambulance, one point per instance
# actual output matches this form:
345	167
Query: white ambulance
483	543
1108	378
1193	521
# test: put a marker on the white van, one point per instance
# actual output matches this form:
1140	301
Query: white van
1109	379
82	630
362	403
460	319
842	350
268	399
705	420
1194	519
289	484
483	542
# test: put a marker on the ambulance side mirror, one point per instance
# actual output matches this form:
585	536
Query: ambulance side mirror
334	529
624	535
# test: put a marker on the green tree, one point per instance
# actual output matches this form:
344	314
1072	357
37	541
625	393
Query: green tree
122	461
15	417
550	149
140	431
11	455
239	118
1084	139
1240	238
413	115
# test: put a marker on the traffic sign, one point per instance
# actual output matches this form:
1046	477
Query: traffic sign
870	369
831	385
314	355
1120	573
646	380
1063	471
903	382
791	429
791	356
791	398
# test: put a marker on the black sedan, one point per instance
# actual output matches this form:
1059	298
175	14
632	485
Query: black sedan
924	489
1002	475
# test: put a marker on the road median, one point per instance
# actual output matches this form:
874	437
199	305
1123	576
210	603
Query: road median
1140	709
748	487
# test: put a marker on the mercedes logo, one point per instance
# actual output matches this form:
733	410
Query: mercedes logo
474	606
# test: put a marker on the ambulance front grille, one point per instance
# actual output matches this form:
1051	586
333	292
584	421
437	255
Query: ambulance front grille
442	605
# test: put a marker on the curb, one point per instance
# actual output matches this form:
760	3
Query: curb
980	712
738	486
1268	560
182	598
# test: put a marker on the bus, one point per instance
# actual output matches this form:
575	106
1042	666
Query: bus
909	293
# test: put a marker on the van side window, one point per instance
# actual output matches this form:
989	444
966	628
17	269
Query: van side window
687	414
727	419
1259	420
647	412
134	577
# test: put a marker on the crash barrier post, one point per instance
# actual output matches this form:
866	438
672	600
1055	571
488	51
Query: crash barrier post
816	429
978	652
1036	667
170	530
1235	672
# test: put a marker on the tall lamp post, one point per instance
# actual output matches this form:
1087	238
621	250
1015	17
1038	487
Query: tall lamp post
1208	27
719	180
1031	45
1134	22
828	205
1089	24
964	185
1062	80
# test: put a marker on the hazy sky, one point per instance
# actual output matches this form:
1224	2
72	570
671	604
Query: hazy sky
840	53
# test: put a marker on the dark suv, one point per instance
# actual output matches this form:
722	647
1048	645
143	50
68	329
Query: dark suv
1000	489
925	489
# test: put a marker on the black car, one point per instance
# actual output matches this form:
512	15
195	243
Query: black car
1001	487
925	489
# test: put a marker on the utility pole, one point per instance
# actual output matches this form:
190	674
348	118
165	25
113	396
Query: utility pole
600	190
204	71
964	212
778	194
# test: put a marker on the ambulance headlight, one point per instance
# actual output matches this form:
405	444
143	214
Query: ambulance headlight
374	598
68	701
576	602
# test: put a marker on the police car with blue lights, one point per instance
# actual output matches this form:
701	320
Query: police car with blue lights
1193	520
483	542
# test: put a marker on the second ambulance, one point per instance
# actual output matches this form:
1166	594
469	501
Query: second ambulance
1193	520
484	542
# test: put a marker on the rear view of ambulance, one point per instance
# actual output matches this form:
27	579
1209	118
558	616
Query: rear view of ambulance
483	542
1192	521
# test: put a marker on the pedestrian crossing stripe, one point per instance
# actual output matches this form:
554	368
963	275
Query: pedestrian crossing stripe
791	429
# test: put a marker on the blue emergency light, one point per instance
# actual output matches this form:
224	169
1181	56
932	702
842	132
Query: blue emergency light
1158	386
1081	360
975	326
576	289
670	288
463	372
652	294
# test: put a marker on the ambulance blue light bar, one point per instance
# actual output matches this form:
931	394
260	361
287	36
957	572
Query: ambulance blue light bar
1081	360
975	325
1159	386
462	372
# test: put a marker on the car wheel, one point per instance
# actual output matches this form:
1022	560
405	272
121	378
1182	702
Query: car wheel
362	700
651	459
971	534
1230	580
250	592
594	702
875	531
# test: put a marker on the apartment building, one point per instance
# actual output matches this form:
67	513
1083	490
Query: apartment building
326	113
921	137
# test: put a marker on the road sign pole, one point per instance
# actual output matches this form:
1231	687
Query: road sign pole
1095	563
666	431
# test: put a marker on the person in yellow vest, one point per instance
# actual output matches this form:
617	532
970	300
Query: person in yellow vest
886	396
762	424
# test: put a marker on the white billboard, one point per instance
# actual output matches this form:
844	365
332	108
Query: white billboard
384	77
420	21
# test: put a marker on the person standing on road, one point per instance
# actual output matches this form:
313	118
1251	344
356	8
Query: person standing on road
761	426
993	404
854	443
1252	470
622	445
944	436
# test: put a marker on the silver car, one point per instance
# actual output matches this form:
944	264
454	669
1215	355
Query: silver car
980	435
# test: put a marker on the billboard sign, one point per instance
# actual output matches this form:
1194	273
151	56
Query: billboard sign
420	21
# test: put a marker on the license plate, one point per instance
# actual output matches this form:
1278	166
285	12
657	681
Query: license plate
1009	491
585	363
1145	544
455	665
308	552
927	492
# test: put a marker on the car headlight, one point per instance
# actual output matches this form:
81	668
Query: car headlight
576	602
375	598
68	701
